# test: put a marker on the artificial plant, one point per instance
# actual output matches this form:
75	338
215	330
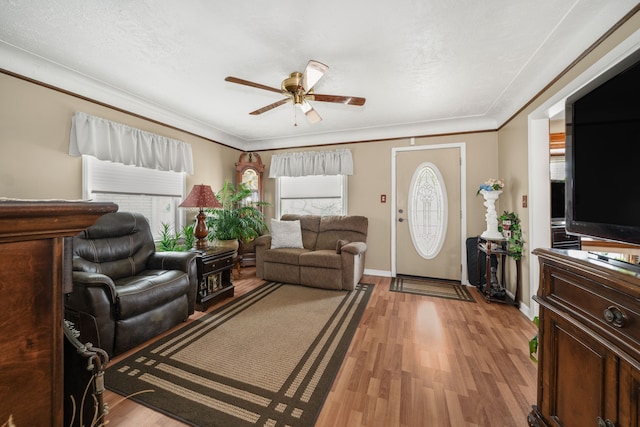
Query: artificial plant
533	344
515	242
176	240
239	218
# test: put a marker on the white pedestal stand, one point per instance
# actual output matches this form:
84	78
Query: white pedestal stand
491	217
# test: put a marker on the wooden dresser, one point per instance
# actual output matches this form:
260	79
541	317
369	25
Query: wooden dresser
35	266
589	354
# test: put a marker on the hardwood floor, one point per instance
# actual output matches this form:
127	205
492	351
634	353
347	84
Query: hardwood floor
414	361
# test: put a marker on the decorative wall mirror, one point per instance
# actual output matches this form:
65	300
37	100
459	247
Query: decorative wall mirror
249	172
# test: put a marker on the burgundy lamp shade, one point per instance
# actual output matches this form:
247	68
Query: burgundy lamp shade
201	196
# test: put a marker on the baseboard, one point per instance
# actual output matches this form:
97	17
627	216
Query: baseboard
526	310
381	273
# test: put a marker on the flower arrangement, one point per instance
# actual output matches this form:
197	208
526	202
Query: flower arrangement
491	185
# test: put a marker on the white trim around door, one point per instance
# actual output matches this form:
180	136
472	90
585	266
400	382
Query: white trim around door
463	202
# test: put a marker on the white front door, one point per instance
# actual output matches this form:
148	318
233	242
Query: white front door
428	212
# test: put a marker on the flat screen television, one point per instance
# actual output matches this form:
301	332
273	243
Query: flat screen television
602	182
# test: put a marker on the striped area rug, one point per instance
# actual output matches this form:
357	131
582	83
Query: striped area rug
431	287
267	358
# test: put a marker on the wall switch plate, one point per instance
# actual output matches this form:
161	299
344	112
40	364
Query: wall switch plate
524	201
383	198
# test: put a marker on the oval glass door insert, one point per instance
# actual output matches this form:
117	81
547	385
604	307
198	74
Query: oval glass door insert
427	210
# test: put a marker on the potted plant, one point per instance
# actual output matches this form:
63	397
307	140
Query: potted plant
239	218
533	343
509	226
176	240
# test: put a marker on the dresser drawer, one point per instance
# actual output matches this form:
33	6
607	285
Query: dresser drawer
216	264
593	303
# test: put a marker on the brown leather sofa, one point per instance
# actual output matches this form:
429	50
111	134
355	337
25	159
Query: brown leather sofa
332	256
133	292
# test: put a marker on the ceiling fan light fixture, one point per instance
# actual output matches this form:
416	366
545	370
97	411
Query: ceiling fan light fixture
304	106
307	109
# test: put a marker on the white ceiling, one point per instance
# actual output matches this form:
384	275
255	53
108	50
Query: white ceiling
424	66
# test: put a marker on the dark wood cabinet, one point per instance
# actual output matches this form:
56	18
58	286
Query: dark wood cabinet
214	276
35	265
589	354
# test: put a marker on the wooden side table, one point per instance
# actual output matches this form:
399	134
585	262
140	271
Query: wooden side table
495	288
214	275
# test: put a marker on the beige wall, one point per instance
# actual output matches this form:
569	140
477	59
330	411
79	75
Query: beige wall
34	141
34	135
372	177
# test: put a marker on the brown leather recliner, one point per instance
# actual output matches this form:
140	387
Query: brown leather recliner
134	292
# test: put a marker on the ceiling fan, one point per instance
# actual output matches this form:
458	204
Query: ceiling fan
298	88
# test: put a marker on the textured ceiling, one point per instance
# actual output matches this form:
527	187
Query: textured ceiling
425	66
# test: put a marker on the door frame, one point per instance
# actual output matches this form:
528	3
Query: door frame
464	278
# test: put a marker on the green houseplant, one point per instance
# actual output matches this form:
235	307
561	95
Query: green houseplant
511	221
238	218
533	343
176	240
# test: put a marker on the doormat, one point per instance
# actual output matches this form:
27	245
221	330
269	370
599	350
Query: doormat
267	358
438	288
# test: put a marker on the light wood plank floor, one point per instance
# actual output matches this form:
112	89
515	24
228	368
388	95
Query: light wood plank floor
414	361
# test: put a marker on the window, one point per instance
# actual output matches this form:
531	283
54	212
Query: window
427	210
153	193
311	195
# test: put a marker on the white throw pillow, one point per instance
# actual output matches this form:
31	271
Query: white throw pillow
286	234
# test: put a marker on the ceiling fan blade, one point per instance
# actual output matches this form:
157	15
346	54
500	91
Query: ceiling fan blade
252	84
349	100
270	107
307	109
314	72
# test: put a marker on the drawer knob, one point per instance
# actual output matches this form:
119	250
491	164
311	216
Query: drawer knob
604	423
615	316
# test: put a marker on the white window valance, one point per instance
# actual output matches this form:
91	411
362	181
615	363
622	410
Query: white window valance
107	140
312	163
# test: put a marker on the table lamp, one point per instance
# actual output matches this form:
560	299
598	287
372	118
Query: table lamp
201	196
